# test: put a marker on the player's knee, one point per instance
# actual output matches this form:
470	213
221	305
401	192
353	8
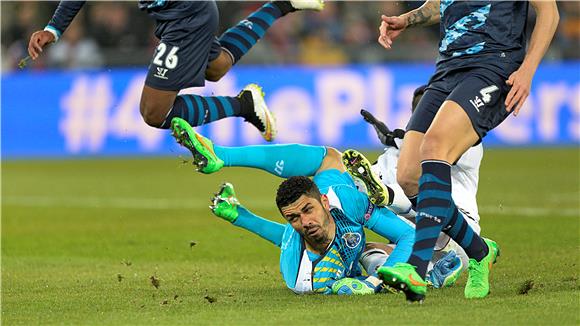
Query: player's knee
214	75
408	180
151	114
218	68
333	158
432	148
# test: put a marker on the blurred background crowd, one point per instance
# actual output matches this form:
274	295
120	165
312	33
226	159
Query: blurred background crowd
113	34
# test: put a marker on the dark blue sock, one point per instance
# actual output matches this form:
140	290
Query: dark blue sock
239	39
433	206
460	231
199	110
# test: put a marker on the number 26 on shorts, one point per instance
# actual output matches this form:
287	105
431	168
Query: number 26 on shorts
171	58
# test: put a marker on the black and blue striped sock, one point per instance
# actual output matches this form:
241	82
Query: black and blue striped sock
462	233
433	207
199	110
239	39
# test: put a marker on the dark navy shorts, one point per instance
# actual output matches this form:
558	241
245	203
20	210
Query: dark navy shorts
480	92
185	48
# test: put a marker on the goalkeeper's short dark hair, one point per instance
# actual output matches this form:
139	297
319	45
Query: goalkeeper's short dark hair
292	188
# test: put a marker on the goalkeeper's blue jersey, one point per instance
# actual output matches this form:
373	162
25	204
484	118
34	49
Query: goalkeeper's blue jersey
306	272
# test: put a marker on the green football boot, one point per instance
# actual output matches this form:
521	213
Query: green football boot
404	277
359	167
201	148
478	280
225	204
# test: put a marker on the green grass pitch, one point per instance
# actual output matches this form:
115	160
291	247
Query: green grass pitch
86	241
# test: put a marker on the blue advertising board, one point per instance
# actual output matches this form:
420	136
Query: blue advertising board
78	113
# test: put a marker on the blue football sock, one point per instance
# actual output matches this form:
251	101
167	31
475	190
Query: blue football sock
462	233
285	161
433	204
199	110
239	39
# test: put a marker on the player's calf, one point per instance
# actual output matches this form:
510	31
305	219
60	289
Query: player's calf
155	105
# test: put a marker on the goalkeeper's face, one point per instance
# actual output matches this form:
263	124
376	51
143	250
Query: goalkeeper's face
310	217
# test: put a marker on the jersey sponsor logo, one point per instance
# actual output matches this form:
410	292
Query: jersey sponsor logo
352	239
429	216
161	73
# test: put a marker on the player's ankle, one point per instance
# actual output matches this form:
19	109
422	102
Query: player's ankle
246	104
284	6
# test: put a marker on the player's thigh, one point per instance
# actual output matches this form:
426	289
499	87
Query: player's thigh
474	107
332	160
426	109
155	104
481	94
409	163
218	67
182	55
449	136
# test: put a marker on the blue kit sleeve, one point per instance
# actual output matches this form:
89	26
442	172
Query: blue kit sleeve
63	16
269	230
389	225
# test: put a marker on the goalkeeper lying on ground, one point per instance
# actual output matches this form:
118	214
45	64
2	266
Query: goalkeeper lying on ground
323	241
380	183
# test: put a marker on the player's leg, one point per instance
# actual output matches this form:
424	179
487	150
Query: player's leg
281	160
408	165
473	108
180	61
433	202
375	255
239	39
449	135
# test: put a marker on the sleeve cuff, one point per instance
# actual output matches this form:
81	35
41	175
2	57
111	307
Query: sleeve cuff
54	32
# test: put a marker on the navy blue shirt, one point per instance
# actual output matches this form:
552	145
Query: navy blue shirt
160	10
482	33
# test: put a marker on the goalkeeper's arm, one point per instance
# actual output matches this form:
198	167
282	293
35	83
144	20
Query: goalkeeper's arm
266	229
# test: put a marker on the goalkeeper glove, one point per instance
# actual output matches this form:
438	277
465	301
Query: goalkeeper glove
446	271
225	204
386	136
353	286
